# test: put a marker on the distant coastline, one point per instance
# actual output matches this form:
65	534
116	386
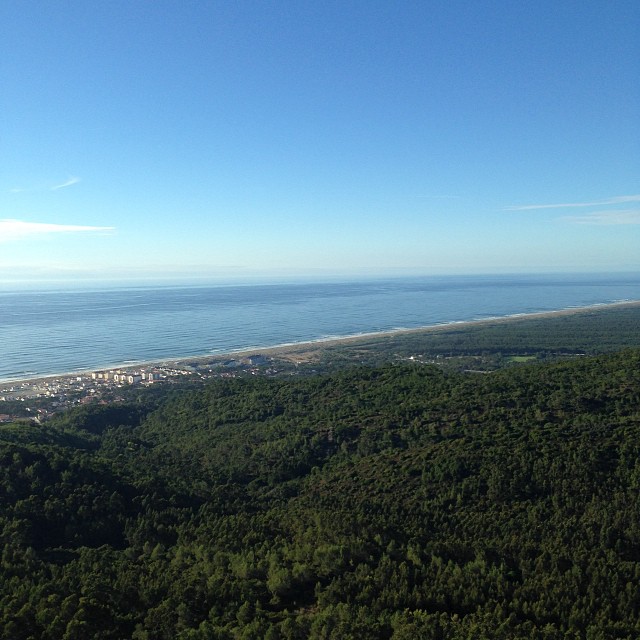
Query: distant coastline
296	350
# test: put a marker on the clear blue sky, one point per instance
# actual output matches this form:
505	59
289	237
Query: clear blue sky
157	139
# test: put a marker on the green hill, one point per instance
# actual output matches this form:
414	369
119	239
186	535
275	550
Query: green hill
394	502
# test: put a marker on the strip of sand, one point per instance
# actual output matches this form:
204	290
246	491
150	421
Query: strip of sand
308	351
305	351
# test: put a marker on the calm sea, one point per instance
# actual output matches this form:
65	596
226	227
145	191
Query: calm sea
51	332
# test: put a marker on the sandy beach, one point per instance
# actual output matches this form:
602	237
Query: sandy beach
309	351
305	351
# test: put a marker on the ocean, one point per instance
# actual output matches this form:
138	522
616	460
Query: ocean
52	332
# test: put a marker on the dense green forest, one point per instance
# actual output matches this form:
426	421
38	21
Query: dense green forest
400	501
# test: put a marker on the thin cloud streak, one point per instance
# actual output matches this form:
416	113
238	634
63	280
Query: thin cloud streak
621	217
16	229
602	203
71	181
45	187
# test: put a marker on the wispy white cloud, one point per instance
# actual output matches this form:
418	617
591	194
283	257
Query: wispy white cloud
71	181
617	217
47	187
15	229
567	205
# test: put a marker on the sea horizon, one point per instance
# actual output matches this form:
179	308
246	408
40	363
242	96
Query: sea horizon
277	279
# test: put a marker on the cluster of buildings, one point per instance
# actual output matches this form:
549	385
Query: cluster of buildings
125	376
39	398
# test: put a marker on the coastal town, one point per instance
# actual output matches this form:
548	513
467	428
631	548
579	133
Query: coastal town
38	398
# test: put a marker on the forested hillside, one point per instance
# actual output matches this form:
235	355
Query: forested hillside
396	502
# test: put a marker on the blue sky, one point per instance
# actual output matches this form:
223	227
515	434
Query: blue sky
229	140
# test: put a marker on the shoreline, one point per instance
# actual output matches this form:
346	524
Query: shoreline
281	350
